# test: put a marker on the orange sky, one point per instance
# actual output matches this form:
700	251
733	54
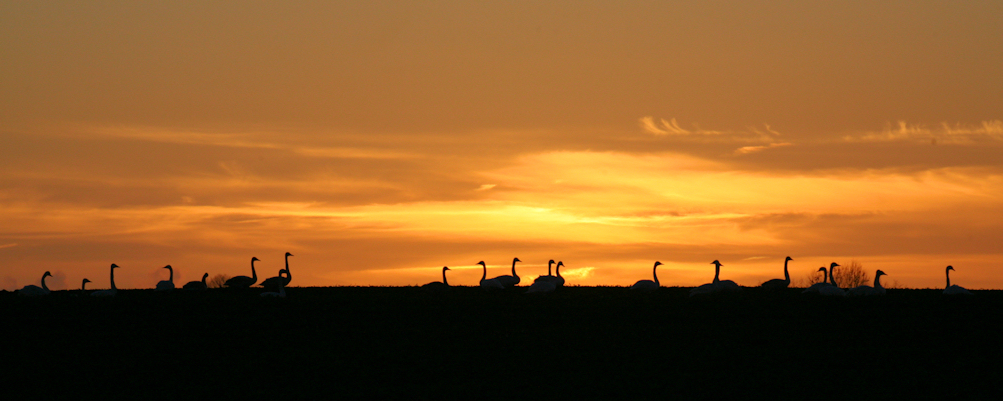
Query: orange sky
380	141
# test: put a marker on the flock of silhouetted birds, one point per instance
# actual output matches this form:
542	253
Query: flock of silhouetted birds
276	286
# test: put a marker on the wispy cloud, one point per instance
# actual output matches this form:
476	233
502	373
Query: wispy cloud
671	128
754	149
8	245
991	130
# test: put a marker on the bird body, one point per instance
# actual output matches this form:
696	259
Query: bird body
557	280
779	284
717	285
510	281
244	281
32	290
109	292
648	285
815	287
954	289
281	293
197	285
273	282
865	290
487	283
542	287
436	285
833	288
167	285
550	269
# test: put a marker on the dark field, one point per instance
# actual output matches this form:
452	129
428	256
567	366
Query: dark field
581	342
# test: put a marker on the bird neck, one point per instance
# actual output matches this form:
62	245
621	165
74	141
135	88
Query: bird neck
787	276
654	272
287	266
877	281
484	276
113	279
204	276
444	277
559	271
83	286
717	272
171	278
44	287
948	273
550	265
513	269
254	274
832	277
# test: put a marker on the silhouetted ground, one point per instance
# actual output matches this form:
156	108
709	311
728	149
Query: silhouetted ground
605	342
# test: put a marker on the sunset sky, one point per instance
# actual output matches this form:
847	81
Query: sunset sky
379	141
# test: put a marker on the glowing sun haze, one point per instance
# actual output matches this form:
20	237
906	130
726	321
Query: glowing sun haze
380	141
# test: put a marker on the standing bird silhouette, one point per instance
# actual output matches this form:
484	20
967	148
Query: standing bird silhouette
832	289
779	284
273	282
510	281
814	287
487	283
83	285
109	292
648	285
244	281
167	285
32	290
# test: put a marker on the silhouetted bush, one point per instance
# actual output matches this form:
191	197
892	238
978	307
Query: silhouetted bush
217	280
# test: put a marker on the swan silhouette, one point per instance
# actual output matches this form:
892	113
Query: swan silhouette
726	285
167	285
814	287
273	282
197	285
509	281
557	280
648	285
32	290
832	289
779	284
953	289
243	281
282	288
83	285
542	287
487	283
865	290
550	267
110	292
436	285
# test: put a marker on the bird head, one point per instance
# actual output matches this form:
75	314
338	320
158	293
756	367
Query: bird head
113	266
47	274
168	267
444	268
821	269
950	267
718	264
516	260
288	254
880	273
657	263
204	276
834	264
254	258
482	263
86	281
560	263
788	258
